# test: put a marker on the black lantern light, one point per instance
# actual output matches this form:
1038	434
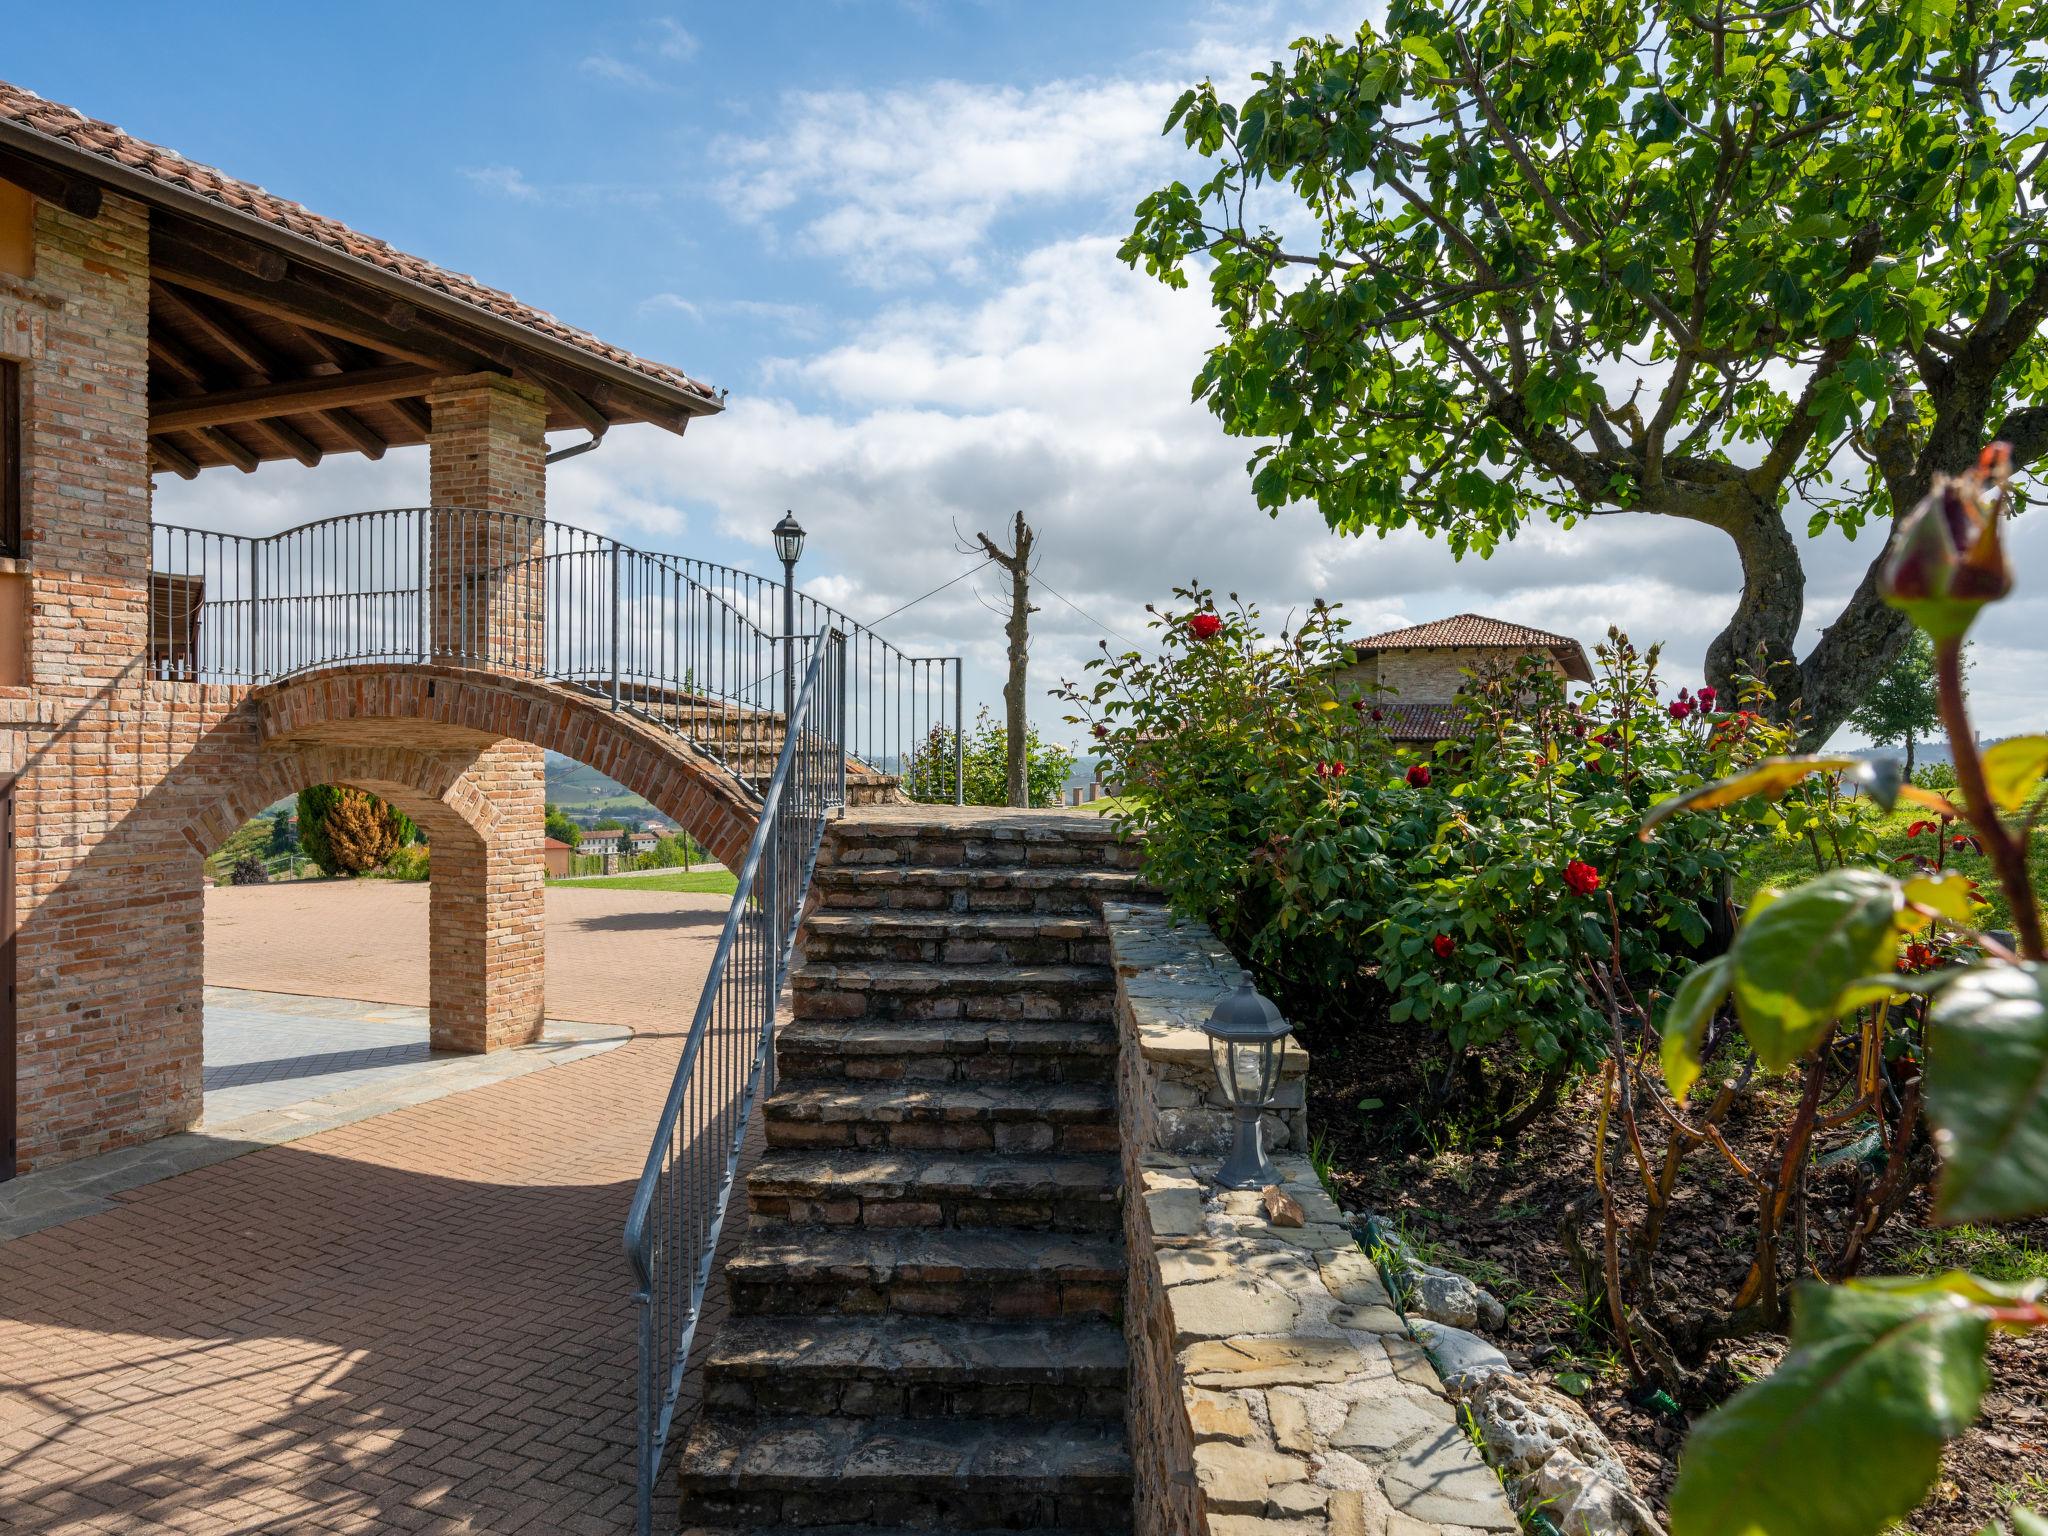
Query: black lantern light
789	546
1247	1038
789	539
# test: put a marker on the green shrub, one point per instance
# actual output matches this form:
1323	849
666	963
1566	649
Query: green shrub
411	862
986	763
1467	888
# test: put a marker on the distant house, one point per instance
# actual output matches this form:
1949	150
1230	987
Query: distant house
607	840
557	854
1424	666
642	842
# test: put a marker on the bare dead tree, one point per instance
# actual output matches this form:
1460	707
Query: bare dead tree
1017	561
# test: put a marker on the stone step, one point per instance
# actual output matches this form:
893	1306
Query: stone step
882	1367
954	1050
956	938
891	989
956	888
925	1272
924	1190
928	1474
965	1117
945	836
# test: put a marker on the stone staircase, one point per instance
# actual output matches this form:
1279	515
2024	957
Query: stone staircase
925	1329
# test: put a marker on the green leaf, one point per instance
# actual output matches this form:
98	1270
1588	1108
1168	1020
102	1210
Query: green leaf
1949	895
1987	1092
1685	1024
1770	778
1845	1436
1802	961
2013	769
1421	48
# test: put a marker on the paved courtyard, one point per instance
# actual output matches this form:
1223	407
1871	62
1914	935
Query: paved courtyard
418	1320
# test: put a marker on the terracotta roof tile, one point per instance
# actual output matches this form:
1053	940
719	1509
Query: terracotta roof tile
1476	630
65	125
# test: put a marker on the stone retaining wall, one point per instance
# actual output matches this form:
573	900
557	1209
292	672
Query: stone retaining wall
1274	1390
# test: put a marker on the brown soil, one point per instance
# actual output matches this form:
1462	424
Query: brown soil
1497	1214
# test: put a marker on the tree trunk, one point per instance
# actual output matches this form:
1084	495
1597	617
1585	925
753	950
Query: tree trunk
1760	637
1018	632
1016	725
1909	754
1850	656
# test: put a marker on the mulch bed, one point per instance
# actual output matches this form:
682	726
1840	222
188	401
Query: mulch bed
1497	1213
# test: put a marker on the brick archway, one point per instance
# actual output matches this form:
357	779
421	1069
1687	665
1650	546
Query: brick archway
436	710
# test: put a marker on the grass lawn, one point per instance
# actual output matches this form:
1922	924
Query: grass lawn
701	882
1787	863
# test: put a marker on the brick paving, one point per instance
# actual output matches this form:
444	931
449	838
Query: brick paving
419	1321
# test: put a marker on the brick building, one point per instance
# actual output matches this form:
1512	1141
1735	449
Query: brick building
1423	666
157	316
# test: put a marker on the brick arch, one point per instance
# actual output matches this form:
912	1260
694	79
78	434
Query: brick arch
434	788
434	711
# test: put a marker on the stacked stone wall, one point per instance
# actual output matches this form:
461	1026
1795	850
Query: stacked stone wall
1274	1389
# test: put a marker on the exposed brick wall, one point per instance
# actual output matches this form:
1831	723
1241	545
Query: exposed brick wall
123	784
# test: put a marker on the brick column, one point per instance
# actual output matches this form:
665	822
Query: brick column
488	479
486	924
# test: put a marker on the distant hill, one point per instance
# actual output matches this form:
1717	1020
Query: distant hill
584	794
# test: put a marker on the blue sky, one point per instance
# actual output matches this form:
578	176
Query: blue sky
889	229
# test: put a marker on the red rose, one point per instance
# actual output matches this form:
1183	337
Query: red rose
1101	731
1443	944
1418	775
1707	697
1329	770
1205	626
1377	716
1582	877
1680	708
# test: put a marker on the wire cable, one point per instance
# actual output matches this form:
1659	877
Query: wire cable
935	591
1127	640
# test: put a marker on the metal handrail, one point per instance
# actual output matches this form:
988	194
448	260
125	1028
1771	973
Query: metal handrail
679	1205
691	645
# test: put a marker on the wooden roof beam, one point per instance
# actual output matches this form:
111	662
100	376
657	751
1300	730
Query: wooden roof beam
261	262
594	420
170	456
291	440
367	386
357	431
308	306
231	449
74	194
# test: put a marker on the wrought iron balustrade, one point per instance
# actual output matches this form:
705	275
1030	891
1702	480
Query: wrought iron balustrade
694	646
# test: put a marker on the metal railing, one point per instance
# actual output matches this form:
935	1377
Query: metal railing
693	646
728	1059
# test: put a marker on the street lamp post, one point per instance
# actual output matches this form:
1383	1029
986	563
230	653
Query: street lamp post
789	547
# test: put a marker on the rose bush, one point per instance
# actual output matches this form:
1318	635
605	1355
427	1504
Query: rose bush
1462	889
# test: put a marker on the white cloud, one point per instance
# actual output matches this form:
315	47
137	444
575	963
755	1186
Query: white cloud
673	41
898	184
671	303
505	180
604	66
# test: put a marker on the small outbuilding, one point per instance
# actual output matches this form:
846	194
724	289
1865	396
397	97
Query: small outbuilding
1422	667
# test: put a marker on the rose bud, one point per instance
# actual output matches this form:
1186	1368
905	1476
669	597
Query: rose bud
1949	560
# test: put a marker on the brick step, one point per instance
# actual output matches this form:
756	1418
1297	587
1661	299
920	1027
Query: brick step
925	1272
965	1117
935	888
956	938
928	1474
925	1190
943	1051
1041	841
882	1367
893	989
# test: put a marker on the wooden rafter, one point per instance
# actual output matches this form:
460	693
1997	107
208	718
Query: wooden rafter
74	194
172	457
356	430
231	448
368	386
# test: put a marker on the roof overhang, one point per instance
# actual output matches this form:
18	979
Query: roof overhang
242	305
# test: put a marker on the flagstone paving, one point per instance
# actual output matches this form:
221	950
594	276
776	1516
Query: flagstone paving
419	1320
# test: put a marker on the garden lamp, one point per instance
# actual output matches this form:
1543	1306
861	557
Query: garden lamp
789	547
1247	1038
